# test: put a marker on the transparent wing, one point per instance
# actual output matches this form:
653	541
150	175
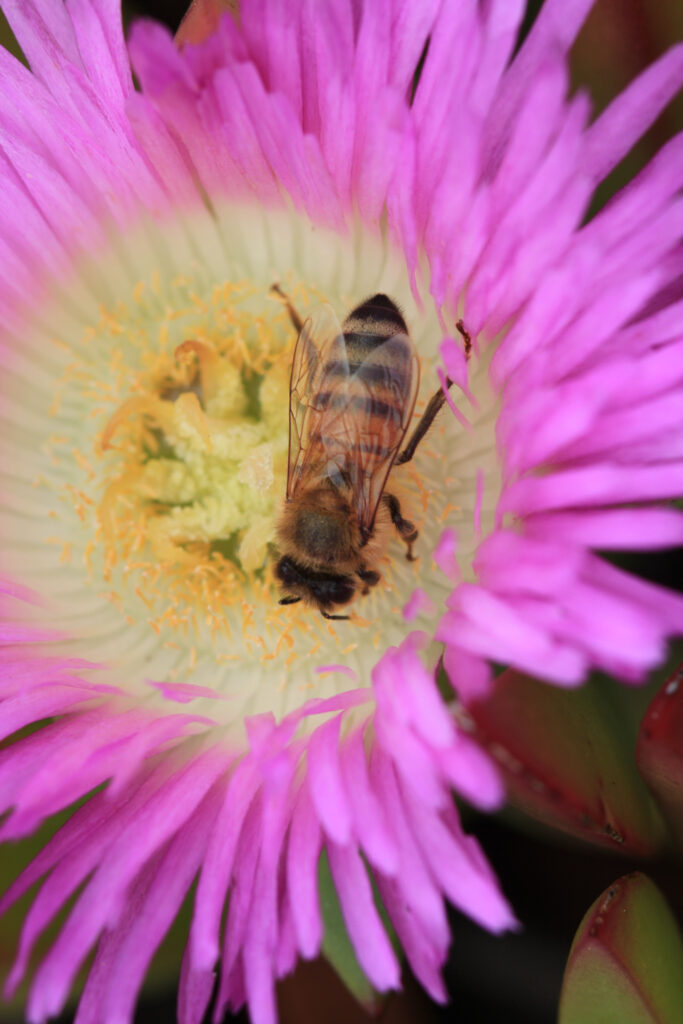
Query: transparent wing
346	426
320	353
385	386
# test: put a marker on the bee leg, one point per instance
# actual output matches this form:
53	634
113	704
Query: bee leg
326	615
433	407
466	338
406	529
426	420
289	600
293	315
370	578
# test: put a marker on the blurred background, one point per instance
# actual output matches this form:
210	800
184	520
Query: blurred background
551	879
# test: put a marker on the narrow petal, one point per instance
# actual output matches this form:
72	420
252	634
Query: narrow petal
364	925
630	115
218	865
327	787
124	952
303	851
369	821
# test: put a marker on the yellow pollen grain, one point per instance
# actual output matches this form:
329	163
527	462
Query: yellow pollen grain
81	461
447	512
143	597
88	553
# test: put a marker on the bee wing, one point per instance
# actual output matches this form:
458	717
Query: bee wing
390	375
320	351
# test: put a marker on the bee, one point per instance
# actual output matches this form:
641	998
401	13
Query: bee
352	395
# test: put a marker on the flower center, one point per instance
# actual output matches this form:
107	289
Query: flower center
144	461
193	462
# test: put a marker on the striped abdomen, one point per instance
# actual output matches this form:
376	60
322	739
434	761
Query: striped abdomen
365	394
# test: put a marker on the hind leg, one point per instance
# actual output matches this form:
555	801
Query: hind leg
434	406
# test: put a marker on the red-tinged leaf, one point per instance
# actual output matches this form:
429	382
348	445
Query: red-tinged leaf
626	962
659	751
202	18
568	762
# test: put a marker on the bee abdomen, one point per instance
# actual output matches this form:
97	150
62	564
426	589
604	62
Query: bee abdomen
366	405
381	308
334	445
364	340
376	375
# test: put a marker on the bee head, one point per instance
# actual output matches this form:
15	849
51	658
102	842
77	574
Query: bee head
325	590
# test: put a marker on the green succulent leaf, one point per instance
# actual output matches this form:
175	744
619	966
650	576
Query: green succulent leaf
625	965
568	761
659	753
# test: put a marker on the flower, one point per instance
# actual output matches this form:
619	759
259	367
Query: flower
143	457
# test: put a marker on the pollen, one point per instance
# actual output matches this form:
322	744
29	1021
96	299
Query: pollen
184	466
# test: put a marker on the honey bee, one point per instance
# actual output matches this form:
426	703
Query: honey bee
352	394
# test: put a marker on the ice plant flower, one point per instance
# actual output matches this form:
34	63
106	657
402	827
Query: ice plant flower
206	731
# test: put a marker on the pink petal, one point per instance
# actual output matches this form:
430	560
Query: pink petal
101	902
369	822
630	115
418	891
195	989
303	851
327	787
612	529
365	928
424	957
469	883
125	952
218	865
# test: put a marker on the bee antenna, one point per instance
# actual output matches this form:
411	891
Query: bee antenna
289	600
327	616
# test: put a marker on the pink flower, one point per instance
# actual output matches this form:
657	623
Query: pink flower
144	445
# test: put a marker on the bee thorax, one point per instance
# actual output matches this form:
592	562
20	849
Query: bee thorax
324	536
